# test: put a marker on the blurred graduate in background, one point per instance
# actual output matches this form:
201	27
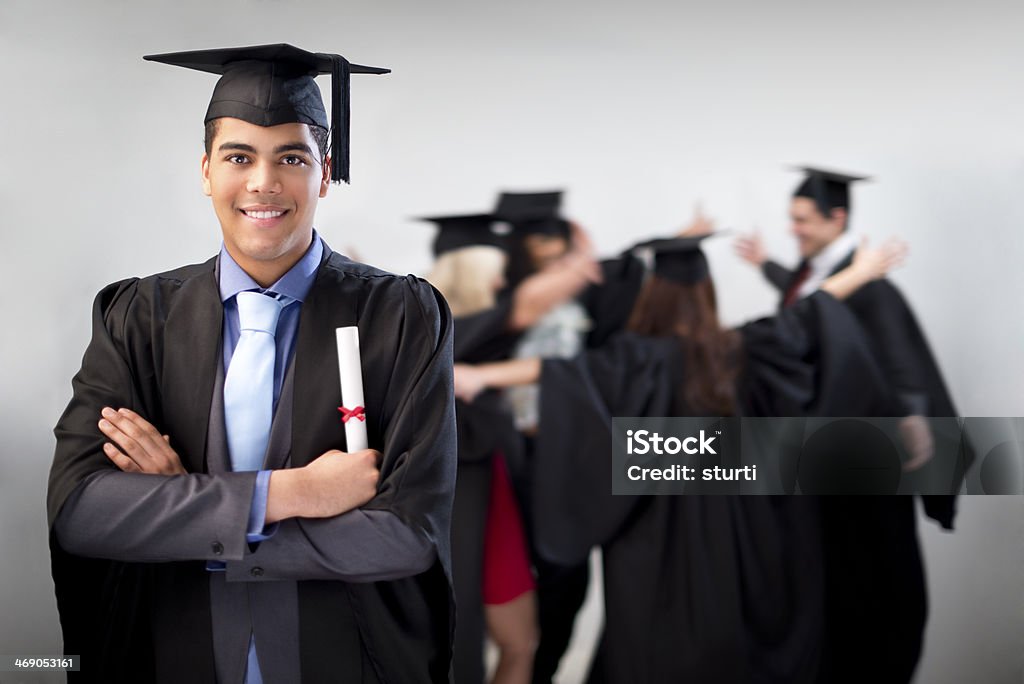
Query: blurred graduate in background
876	597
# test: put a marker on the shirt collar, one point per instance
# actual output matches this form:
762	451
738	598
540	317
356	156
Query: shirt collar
825	261
294	284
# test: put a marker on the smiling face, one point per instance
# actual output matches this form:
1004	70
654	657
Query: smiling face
264	183
813	230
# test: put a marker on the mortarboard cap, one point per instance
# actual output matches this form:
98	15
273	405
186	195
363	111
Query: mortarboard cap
456	232
554	226
679	259
525	206
533	213
267	85
828	189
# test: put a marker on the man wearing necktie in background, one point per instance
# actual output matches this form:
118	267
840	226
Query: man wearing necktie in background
876	601
207	524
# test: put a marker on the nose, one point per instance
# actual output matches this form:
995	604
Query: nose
263	179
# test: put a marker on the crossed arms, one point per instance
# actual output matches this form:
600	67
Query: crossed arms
148	509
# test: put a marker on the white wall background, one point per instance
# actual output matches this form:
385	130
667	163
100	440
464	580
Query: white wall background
639	109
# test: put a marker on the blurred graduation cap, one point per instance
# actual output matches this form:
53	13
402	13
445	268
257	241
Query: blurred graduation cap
469	230
828	189
267	85
533	213
679	259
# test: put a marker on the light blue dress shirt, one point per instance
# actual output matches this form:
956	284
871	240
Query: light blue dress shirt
293	287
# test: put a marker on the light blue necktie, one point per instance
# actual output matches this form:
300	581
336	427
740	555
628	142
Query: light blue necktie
249	384
249	399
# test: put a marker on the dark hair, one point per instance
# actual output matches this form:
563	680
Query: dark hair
712	360
520	265
319	134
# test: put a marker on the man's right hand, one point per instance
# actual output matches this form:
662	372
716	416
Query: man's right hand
750	248
140	446
335	483
580	256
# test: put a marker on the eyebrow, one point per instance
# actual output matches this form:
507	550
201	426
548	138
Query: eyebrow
287	147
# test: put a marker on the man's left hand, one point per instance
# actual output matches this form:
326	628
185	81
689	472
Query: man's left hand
917	438
142	448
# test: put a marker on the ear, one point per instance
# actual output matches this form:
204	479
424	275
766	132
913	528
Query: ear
205	170
839	215
325	180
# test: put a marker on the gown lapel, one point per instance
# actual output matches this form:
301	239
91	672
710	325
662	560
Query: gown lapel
192	348
316	422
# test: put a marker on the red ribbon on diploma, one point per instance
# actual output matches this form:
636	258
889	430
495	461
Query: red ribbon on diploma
357	412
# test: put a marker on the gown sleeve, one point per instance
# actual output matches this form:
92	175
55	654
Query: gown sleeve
485	336
912	372
778	275
902	350
572	506
811	358
105	379
610	302
98	511
485	425
419	450
103	605
817	358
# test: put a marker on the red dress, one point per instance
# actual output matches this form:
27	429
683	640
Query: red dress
506	570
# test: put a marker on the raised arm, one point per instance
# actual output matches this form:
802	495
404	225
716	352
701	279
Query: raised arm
868	264
750	248
557	283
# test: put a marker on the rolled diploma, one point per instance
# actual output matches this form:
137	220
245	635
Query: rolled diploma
351	375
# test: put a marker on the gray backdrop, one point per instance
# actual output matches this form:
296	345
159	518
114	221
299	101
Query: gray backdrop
639	109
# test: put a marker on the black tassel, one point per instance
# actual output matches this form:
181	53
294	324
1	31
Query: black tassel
340	76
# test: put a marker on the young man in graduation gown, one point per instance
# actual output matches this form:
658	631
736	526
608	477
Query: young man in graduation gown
877	600
207	524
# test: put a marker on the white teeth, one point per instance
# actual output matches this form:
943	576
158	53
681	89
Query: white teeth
263	214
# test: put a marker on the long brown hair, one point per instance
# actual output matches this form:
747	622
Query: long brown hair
690	312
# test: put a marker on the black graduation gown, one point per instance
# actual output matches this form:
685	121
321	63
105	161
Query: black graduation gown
697	588
901	351
155	348
610	302
877	601
484	427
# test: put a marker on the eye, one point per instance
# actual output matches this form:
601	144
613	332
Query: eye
237	159
293	160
